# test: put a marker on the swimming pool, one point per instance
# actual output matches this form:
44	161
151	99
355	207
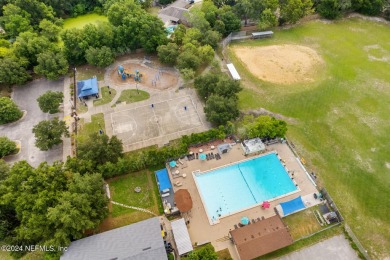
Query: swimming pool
230	189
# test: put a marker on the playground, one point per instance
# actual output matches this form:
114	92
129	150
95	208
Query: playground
167	119
132	72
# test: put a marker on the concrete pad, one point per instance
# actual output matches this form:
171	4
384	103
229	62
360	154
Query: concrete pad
335	248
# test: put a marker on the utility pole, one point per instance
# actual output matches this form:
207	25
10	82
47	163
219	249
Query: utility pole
74	101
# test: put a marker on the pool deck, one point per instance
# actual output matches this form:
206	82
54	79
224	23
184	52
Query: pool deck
200	229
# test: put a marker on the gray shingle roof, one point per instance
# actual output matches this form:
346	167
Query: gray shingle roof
139	241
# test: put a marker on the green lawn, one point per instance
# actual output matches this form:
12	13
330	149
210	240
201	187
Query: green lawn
88	71
342	120
93	127
122	191
132	95
106	97
82	20
302	223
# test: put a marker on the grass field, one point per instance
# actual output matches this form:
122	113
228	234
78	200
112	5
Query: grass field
342	120
106	96
93	127
303	223
132	95
82	20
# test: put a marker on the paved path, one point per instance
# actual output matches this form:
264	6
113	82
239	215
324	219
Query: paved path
26	98
335	248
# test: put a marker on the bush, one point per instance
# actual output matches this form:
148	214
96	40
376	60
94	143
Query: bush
7	147
50	101
9	111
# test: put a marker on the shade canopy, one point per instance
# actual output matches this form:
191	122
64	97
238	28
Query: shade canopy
202	156
265	204
172	163
245	220
183	200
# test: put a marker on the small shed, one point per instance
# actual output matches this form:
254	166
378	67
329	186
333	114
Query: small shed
181	236
260	35
233	71
252	146
88	87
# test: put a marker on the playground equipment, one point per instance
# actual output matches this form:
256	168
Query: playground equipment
121	71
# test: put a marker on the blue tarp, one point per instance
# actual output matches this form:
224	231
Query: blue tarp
163	179
87	87
292	206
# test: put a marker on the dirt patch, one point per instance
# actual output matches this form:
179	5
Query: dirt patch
282	64
163	80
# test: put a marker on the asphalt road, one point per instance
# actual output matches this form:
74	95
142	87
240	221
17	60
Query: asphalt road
335	248
26	98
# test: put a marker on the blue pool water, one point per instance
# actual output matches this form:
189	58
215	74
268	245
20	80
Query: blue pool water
170	29
239	186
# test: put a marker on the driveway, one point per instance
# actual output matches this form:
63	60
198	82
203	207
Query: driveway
335	248
26	98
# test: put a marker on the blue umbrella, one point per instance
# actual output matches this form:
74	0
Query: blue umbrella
172	163
202	156
245	220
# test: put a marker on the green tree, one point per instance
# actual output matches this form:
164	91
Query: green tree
267	20
49	30
7	146
168	53
264	127
206	54
74	47
219	26
49	133
368	7
101	57
179	34
244	8
9	111
15	20
193	36
293	10
98	36
198	19
29	45
231	21
205	253
227	87
210	12
219	110
120	9
211	38
37	10
13	70
51	64
329	9
187	74
189	58
100	149
206	84
50	101
81	207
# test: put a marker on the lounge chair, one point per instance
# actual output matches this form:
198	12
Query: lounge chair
258	219
262	217
196	156
235	227
253	221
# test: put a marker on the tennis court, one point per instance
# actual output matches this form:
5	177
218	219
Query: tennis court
154	120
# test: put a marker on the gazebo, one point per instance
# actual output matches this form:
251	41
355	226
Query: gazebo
183	200
88	87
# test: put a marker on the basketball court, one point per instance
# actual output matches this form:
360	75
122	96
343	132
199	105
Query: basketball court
154	120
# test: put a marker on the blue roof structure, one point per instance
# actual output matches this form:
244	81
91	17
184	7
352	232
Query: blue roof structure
163	179
87	87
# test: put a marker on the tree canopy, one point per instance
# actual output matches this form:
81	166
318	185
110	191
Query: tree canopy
7	146
49	133
219	110
50	101
51	64
263	127
9	111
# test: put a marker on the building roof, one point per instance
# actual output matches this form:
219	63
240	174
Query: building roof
183	200
261	238
182	238
263	33
233	71
253	145
87	87
139	241
175	13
